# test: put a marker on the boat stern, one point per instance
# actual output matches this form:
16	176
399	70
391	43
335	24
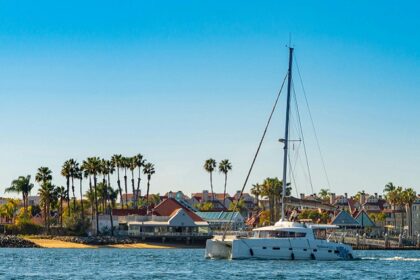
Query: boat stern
217	249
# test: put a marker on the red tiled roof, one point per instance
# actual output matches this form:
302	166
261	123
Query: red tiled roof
125	212
168	206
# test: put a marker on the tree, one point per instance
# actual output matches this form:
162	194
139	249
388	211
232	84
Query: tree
408	198
66	171
209	166
238	206
62	195
79	175
125	165
224	167
256	191
132	165
394	199
324	194
149	170
73	174
47	196
117	163
140	162
273	189
92	167
44	177
389	187
24	186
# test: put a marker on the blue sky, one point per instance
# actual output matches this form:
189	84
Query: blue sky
181	81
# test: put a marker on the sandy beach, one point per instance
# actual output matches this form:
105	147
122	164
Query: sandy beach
52	243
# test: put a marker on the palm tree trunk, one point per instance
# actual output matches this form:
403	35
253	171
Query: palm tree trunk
91	204
138	188
110	208
81	198
125	185
211	185
147	193
119	188
224	190
68	195
96	204
74	195
61	212
134	188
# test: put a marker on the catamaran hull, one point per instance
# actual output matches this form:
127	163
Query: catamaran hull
281	249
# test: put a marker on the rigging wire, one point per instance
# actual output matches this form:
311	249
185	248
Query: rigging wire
303	138
312	122
255	156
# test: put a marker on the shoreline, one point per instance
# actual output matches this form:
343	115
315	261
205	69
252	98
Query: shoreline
59	244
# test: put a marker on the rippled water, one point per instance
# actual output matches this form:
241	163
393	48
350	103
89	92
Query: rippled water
190	264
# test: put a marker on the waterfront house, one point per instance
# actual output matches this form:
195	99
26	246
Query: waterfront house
168	220
221	220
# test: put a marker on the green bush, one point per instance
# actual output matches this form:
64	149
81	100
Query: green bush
24	228
76	225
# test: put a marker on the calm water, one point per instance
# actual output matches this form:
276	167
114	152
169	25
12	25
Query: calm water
190	264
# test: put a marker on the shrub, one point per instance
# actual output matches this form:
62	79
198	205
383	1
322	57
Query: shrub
23	227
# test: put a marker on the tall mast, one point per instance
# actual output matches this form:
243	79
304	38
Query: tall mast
286	133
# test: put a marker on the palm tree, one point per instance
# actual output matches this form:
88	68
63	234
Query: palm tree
73	174
79	175
62	195
22	185
86	173
139	163
389	187
132	165
394	199
224	167
273	189
46	193
149	170
409	197
125	165
117	163
66	171
92	167
44	177
256	191
324	194
209	166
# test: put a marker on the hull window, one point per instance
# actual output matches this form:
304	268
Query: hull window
276	248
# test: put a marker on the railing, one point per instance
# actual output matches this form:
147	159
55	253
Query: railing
168	234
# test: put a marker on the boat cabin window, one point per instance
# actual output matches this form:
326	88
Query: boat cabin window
279	234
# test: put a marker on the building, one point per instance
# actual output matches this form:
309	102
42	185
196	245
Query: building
415	217
34	200
168	220
223	220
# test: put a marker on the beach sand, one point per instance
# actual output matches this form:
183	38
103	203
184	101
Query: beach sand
51	243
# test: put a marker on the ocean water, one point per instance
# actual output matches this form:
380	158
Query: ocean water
190	264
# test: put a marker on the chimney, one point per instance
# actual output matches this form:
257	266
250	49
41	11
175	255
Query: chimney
346	195
332	198
376	195
302	196
380	196
171	194
205	196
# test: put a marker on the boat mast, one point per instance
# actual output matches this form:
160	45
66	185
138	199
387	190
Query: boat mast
286	133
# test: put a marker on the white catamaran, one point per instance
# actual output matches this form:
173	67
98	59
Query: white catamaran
285	240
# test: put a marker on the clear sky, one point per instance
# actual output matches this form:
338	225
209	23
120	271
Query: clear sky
182	81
